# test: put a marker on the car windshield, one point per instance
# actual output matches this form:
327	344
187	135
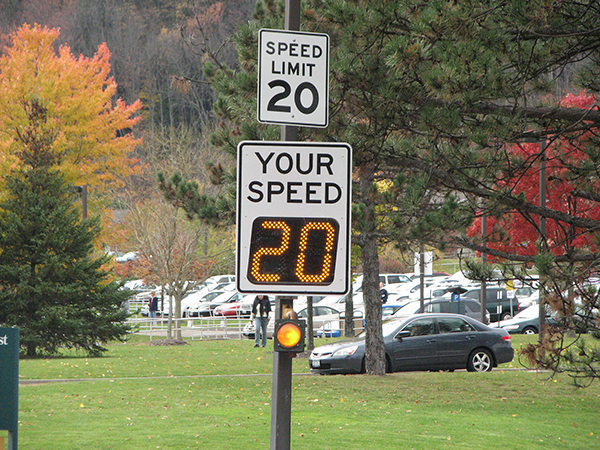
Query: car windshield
529	313
389	327
409	308
224	298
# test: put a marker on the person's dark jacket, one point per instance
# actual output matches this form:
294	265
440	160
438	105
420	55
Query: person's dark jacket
384	295
261	307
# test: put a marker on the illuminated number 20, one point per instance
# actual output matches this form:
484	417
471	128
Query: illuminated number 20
276	251
326	267
293	250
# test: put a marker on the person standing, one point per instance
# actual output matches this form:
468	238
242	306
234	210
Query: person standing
153	305
383	291
261	307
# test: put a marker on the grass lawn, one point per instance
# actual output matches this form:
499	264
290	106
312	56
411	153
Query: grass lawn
216	395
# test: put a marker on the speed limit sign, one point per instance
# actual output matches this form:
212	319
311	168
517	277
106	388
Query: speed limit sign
293	78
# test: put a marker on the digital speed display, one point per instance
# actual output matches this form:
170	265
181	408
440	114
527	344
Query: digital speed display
293	250
293	218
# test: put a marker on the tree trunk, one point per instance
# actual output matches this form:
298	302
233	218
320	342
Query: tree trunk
31	349
177	316
170	318
349	313
375	352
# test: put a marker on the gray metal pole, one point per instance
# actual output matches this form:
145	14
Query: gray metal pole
292	23
84	195
292	15
422	278
281	406
483	297
543	246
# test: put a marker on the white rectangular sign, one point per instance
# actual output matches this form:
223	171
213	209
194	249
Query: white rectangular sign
293	78
293	217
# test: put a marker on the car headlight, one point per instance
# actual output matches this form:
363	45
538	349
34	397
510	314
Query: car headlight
345	351
511	327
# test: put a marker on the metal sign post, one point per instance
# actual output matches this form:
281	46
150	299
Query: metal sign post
293	223
281	406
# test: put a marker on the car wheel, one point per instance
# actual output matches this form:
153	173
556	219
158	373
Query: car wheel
506	316
530	330
480	360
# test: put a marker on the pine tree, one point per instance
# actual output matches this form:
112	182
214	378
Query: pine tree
52	288
428	94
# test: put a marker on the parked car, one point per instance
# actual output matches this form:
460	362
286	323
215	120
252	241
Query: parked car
411	290
387	309
217	282
219	279
422	342
205	309
466	306
415	276
190	303
527	296
334	328
339	301
242	308
528	322
495	297
393	278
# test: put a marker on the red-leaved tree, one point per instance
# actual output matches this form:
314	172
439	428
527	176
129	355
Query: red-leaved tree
565	254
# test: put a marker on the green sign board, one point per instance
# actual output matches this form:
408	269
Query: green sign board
9	383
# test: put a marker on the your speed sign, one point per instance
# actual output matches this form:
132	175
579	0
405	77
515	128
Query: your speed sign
293	78
293	217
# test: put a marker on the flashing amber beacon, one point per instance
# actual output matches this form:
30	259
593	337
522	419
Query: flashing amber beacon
289	335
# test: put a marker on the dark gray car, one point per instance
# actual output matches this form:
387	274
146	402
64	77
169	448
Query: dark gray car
465	306
498	303
422	342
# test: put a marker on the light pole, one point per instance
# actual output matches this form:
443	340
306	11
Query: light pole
281	405
544	242
83	191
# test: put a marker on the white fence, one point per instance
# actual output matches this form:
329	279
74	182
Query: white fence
215	327
191	328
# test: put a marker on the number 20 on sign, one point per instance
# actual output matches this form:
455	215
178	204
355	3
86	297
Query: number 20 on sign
293	250
293	217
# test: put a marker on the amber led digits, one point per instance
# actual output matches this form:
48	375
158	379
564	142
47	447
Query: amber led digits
293	250
304	239
276	251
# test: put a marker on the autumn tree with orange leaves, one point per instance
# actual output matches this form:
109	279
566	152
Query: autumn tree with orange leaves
93	129
59	126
